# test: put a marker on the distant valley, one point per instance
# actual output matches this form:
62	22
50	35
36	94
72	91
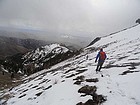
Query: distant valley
14	41
11	46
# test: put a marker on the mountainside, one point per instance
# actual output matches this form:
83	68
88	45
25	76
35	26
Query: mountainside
10	46
75	82
43	51
46	56
38	59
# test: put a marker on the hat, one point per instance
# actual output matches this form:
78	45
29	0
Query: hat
101	49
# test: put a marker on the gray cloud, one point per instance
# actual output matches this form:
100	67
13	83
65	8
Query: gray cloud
76	17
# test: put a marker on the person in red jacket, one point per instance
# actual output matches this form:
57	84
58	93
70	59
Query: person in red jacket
101	56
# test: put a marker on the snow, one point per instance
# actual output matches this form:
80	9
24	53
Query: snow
57	85
39	53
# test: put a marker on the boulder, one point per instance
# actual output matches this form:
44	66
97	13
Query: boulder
89	90
92	80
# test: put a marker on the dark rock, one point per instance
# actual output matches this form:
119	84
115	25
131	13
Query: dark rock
120	58
44	80
81	78
40	88
90	102
63	81
92	80
22	96
138	21
38	94
83	95
128	71
48	87
11	88
30	85
25	90
87	89
98	98
77	82
91	90
70	76
81	71
35	86
80	103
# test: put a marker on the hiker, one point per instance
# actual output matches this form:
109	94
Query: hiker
101	56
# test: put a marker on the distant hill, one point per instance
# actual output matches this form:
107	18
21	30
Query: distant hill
38	59
48	55
76	42
10	46
94	41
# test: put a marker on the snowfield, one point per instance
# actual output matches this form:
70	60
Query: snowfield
119	79
42	52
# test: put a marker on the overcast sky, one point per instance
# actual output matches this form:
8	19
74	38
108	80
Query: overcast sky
76	17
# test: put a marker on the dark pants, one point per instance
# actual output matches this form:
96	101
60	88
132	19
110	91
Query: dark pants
99	66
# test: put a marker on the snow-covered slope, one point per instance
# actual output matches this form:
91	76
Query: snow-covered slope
46	53
118	81
39	53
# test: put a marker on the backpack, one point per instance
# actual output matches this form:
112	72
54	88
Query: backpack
102	55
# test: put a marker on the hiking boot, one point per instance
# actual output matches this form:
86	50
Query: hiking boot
96	71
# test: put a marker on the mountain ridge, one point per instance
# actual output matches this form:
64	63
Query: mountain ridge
10	45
